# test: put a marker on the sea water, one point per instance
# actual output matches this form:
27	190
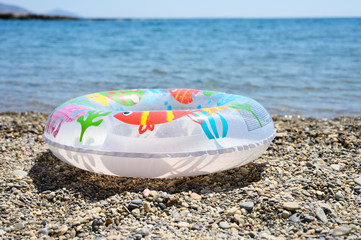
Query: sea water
309	67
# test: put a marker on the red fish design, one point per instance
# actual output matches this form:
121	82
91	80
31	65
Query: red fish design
184	96
147	119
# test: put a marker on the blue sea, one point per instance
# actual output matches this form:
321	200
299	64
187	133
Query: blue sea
308	67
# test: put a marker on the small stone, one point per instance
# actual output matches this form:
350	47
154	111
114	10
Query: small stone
222	235
319	194
146	193
158	198
196	226
286	214
231	211
108	221
62	230
292	206
295	218
223	225
18	226
50	196
135	203
325	206
234	231
339	231
172	201
162	206
239	220
43	231
137	236
147	206
194	206
339	196
20	173
136	212
290	149
244	171
112	237
358	180
335	167
72	233
321	215
247	205
183	224
184	204
264	235
109	237
2	232
152	193
196	196
309	218
143	231
96	210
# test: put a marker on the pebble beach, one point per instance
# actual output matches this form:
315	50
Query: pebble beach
307	185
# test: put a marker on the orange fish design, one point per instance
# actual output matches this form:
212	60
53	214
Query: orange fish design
147	119
184	96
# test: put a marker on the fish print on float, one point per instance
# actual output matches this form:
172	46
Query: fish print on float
184	96
148	119
124	97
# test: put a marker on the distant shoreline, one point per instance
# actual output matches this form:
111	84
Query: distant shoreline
31	16
12	16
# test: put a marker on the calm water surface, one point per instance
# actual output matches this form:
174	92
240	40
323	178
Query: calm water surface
310	67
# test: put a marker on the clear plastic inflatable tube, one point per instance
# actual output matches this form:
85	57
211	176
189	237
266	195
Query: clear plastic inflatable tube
159	132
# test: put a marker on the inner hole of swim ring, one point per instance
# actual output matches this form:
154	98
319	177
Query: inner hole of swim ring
165	102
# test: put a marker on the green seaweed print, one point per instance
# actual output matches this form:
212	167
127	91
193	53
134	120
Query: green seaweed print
246	107
88	122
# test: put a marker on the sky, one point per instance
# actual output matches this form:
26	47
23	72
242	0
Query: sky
197	8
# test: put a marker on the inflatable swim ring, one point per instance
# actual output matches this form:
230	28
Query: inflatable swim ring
159	132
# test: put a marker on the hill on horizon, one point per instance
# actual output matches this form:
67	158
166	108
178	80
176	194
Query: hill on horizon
61	12
7	8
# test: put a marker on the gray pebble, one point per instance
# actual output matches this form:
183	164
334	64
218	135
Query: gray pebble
162	206
309	218
101	238
196	226
143	231
335	167
295	218
264	235
2	232
224	225
247	205
20	173
321	215
18	226
339	231
286	214
223	235
339	196
138	236
358	180
43	231
50	196
137	201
